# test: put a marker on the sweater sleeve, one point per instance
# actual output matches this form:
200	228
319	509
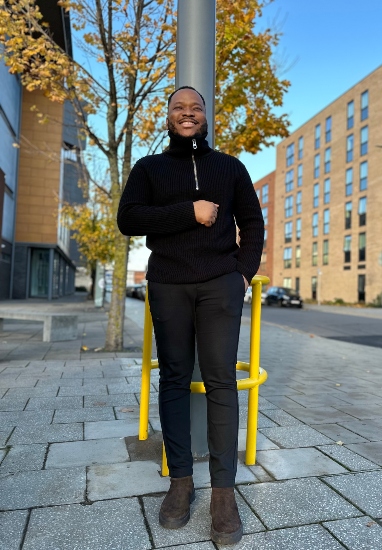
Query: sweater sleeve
137	216
249	219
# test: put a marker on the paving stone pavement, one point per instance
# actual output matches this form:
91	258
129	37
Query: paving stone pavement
69	478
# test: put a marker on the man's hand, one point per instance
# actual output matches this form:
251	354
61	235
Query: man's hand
206	212
246	284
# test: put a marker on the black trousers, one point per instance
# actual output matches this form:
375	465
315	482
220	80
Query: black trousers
211	312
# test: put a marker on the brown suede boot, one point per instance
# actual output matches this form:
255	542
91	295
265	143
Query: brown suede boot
226	525
175	510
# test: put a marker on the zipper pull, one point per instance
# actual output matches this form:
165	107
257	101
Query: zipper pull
194	146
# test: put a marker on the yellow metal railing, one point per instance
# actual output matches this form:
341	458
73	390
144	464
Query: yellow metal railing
257	375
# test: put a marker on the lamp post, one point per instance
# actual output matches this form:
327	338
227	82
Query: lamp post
195	66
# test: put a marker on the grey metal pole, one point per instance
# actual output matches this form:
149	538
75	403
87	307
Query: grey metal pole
195	66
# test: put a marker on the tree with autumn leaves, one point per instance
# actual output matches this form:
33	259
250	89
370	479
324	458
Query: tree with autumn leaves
121	77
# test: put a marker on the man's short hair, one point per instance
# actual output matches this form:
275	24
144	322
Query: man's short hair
184	88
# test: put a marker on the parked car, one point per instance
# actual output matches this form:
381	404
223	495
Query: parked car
283	297
248	296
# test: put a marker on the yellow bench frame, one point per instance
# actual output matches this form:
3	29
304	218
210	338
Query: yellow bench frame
257	375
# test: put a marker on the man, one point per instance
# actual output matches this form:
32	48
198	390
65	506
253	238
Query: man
186	201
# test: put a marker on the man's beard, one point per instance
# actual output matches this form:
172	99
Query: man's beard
201	132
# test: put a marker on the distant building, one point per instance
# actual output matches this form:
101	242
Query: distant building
38	258
265	189
328	200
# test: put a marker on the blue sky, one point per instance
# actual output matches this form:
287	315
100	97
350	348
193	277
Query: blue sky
329	45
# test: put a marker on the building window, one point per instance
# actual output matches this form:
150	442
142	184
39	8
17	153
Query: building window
299	202
289	176
288	231
258	193
265	191
362	247
347	249
298	229
314	253
348	211
287	282
361	287
287	257
364	140
317	165
327	191
364	105
300	148
328	158
326	221
299	175
349	182
328	129
350	118
325	253
363	173
265	215
317	136
316	194
298	256
265	238
289	206
349	148
315	224
290	154
297	286
362	210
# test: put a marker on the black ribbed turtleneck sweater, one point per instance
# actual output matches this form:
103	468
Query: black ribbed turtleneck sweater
158	202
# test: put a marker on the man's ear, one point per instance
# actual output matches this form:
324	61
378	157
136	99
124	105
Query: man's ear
167	123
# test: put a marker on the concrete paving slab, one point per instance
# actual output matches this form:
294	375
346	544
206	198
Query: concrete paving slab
53	403
262	420
282	418
13	403
198	528
132	411
320	415
296	436
4	435
299	538
82	390
208	545
107	525
46	433
83	415
296	502
362	412
357	533
12	526
38	391
349	459
265	404
42	488
125	480
371	429
111	428
202	477
260	473
115	400
24	458
294	463
20	383
371	451
363	490
30	418
262	442
86	453
339	433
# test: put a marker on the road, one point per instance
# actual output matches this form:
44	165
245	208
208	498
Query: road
335	326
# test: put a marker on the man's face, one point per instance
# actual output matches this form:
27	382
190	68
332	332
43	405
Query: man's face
187	114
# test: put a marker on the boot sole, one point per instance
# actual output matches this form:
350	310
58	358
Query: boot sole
176	523
226	538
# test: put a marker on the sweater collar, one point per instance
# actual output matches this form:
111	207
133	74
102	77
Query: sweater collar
182	147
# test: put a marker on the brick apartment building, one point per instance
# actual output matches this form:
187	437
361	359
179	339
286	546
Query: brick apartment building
265	189
327	228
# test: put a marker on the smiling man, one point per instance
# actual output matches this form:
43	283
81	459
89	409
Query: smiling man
186	201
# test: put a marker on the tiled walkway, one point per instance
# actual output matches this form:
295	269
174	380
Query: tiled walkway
72	475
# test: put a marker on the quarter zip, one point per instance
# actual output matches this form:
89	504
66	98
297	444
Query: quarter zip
194	144
195	172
